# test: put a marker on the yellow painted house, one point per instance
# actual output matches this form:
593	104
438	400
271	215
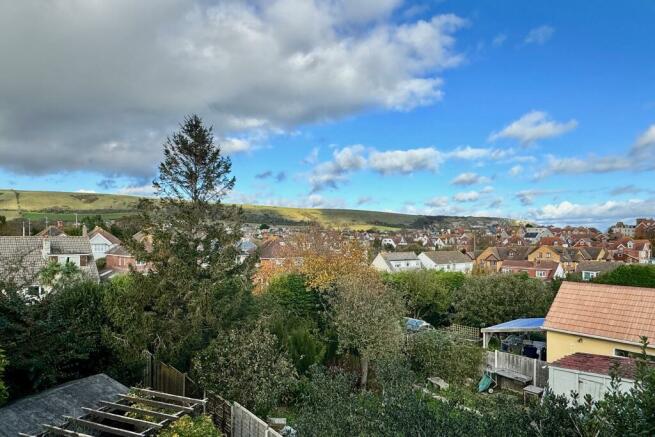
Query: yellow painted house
568	257
600	319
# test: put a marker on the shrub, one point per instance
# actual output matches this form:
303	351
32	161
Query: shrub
201	426
489	300
247	366
634	275
434	353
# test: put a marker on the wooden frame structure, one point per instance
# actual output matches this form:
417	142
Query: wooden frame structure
157	409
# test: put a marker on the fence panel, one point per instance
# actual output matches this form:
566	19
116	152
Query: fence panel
168	379
221	412
533	368
246	424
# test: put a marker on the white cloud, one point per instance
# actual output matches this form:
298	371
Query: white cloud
515	170
539	35
473	153
405	161
82	190
231	146
645	141
437	202
605	212
591	164
533	126
244	65
331	173
312	158
142	190
466	196
469	178
499	40
488	189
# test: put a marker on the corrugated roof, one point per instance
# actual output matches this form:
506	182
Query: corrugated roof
609	311
27	414
530	324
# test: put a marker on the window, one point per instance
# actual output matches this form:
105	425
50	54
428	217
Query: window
589	275
83	260
630	354
541	274
547	254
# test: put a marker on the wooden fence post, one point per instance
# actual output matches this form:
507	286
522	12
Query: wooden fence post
534	372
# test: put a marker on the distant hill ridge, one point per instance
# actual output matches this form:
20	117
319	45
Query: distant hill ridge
36	205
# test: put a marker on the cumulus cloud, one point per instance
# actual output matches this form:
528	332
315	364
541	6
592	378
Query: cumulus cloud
532	127
279	176
515	170
405	161
466	196
539	35
231	146
331	173
102	83
437	202
469	178
605	212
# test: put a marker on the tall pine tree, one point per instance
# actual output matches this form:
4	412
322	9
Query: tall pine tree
195	285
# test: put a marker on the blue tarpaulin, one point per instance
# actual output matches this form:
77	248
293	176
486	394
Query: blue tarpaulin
534	324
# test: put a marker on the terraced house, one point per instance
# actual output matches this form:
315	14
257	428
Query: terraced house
568	257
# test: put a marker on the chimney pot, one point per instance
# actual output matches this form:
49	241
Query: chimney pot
85	231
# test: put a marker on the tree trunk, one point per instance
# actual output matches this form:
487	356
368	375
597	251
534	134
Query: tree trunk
364	378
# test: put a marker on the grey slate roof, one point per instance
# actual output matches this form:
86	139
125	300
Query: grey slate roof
448	257
21	258
399	256
598	266
27	414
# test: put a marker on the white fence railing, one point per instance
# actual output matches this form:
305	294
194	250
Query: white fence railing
537	370
246	424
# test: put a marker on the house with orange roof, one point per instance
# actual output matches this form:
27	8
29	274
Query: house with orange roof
600	319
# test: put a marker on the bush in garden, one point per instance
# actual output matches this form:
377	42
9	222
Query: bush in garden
201	426
435	353
247	366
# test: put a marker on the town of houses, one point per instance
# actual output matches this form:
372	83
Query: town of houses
543	252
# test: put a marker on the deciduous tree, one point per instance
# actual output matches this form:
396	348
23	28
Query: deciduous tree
367	317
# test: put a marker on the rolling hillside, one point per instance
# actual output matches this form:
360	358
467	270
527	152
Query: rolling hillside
36	205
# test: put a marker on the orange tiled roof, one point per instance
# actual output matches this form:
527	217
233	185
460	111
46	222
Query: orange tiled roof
610	311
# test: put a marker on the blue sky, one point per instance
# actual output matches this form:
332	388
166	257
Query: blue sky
536	110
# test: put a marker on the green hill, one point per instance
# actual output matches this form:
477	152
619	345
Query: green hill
37	205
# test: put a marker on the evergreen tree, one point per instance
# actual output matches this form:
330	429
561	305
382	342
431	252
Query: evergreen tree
195	285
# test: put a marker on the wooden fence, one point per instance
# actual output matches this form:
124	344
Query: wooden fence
537	370
221	412
161	377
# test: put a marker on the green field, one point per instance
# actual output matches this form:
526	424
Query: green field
37	205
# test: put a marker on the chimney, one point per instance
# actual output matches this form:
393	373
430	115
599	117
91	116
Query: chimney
85	231
60	224
46	247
